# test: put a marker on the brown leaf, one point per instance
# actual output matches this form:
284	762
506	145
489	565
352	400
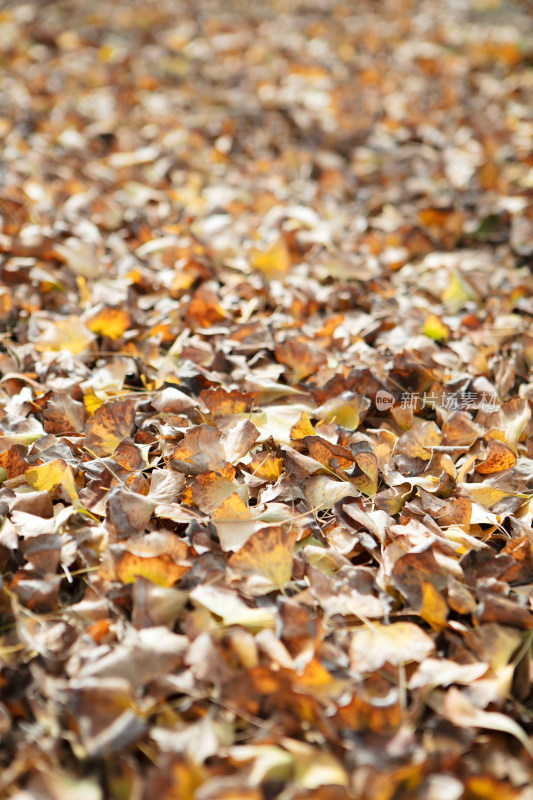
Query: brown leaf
301	359
64	415
200	449
111	423
13	460
331	455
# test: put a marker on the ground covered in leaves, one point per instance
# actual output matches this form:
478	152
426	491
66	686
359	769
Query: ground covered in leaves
266	438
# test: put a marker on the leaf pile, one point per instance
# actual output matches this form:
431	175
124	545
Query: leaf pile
265	400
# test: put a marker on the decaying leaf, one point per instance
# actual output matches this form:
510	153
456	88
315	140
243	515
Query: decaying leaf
266	442
110	424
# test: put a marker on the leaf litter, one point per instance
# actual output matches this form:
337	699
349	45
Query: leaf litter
266	443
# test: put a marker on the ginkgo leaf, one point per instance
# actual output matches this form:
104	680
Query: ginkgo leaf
232	609
365	474
13	460
418	441
434	608
109	321
301	359
331	455
487	496
322	492
347	410
110	424
46	477
202	448
398	643
265	560
314	768
435	328
264	465
160	570
498	458
302	427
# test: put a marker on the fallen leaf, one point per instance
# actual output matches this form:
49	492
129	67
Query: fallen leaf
109	321
264	562
398	643
110	424
498	458
458	709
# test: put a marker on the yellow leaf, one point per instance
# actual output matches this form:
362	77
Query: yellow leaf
266	466
161	569
273	262
91	402
111	322
265	560
46	477
457	293
69	485
303	427
435	329
486	496
434	609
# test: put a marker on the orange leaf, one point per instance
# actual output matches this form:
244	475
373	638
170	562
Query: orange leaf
498	458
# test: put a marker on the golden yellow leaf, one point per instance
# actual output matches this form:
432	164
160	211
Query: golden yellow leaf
161	569
69	485
434	609
46	477
265	560
303	427
266	466
111	322
273	262
435	328
367	480
232	508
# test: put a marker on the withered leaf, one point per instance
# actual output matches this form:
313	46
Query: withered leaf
330	455
398	643
265	560
110	424
498	458
266	441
